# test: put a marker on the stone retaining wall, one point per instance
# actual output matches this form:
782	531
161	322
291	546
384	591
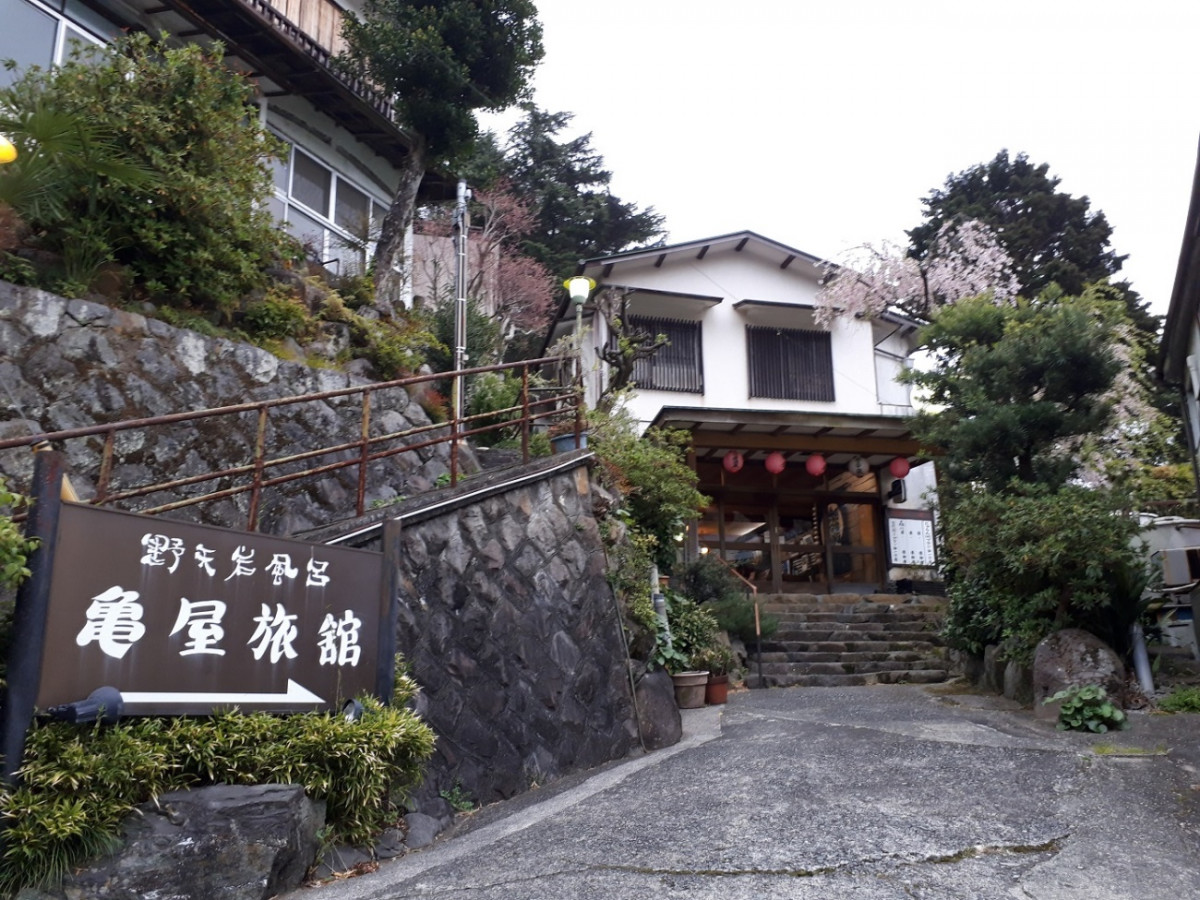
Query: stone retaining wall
69	363
509	624
507	618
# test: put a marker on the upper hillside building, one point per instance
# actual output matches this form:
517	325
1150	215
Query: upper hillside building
343	145
799	430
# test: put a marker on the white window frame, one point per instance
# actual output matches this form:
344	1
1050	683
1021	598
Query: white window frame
64	25
330	255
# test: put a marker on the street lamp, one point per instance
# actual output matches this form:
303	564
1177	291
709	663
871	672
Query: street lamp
579	289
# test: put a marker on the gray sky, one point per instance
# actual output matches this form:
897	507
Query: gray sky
821	125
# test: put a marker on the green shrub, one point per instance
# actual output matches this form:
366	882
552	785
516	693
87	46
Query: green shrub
1181	700
1031	561
1088	708
278	315
395	348
651	473
709	582
487	393
78	782
14	548
154	165
736	616
693	628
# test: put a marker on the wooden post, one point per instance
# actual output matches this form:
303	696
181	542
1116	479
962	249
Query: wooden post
385	668
29	614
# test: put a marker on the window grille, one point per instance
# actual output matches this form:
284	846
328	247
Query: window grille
676	367
789	363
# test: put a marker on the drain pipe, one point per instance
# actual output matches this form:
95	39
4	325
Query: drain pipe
1141	659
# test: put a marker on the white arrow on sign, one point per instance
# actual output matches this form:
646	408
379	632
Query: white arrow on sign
295	694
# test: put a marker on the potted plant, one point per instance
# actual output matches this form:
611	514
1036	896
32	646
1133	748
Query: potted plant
562	432
693	630
718	660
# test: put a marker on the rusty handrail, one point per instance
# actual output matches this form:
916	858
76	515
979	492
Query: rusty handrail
262	470
757	617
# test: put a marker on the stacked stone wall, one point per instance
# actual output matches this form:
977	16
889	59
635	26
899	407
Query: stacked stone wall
510	626
507	618
68	364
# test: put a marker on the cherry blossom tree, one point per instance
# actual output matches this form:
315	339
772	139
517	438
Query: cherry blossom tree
516	290
965	260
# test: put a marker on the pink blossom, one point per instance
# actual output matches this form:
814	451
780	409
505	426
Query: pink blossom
965	260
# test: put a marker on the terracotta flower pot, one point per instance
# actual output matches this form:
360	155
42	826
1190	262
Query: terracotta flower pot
689	689
716	691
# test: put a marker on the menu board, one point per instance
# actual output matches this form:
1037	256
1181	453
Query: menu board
910	538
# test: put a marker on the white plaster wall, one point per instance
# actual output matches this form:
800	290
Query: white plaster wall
734	277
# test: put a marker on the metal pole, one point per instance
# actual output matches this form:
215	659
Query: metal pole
29	614
461	227
758	643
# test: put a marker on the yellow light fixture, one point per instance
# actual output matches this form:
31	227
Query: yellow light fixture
579	288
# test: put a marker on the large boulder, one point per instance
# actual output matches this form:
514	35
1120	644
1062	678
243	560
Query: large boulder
658	714
1073	658
232	842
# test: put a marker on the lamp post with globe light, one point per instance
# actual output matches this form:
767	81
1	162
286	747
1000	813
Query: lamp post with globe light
579	288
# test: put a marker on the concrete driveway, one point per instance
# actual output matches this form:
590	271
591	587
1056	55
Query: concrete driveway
865	792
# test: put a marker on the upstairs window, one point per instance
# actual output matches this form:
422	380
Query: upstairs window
321	208
676	367
40	34
789	363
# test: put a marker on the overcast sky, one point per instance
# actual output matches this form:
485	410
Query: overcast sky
821	125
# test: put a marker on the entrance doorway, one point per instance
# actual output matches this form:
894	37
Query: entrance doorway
799	534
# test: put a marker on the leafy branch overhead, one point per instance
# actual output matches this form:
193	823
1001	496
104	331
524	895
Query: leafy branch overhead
629	342
439	62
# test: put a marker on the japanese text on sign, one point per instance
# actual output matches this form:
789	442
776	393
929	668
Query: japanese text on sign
114	618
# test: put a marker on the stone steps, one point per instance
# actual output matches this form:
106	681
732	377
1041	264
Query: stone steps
911	676
840	640
842	636
843	647
862	656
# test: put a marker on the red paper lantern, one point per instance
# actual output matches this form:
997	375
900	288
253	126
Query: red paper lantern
899	467
775	463
815	465
733	461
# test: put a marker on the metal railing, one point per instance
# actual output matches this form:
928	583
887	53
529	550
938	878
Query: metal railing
537	405
752	590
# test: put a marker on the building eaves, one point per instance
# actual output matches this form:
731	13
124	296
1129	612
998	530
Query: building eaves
739	240
1185	295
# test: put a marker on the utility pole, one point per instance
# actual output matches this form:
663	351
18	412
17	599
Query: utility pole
462	225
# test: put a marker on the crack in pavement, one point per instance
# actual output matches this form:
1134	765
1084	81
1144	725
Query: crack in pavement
1054	845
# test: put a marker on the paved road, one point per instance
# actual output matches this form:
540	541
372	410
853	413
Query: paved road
871	792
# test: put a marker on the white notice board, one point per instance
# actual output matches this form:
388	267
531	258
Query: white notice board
910	538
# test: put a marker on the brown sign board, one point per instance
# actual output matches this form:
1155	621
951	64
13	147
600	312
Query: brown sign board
187	619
